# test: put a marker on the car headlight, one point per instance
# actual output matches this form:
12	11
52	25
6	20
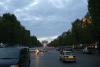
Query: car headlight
14	66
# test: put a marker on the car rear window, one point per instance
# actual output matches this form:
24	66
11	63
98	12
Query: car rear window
68	53
9	53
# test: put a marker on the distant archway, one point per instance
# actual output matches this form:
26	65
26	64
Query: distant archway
44	42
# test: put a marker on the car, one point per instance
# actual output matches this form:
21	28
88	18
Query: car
87	50
67	56
67	48
43	50
14	57
60	48
32	50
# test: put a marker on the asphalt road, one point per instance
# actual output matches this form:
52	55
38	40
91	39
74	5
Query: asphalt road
51	59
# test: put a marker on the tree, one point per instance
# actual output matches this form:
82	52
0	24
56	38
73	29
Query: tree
65	39
79	34
94	10
76	31
13	33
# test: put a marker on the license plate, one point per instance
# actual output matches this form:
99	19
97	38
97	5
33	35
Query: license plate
70	57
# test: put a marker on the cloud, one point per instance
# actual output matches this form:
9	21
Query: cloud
3	6
45	18
57	3
49	39
27	7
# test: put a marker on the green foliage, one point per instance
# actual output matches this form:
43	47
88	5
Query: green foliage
76	31
79	34
83	32
94	9
65	39
13	33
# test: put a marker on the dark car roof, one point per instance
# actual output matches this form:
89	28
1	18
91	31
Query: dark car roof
9	55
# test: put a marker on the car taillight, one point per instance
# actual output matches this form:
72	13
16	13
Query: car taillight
74	56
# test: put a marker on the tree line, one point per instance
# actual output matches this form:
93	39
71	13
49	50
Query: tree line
12	33
79	34
84	31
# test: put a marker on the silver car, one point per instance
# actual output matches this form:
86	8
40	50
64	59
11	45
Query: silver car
68	56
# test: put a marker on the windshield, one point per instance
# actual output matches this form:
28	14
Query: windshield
47	28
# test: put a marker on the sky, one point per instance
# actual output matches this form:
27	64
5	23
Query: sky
46	19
